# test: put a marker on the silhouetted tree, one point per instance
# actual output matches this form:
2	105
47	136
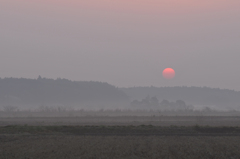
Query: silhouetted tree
180	104
165	103
154	102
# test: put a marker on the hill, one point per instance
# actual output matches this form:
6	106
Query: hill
34	93
59	92
198	96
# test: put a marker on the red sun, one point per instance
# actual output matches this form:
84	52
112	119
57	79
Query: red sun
168	73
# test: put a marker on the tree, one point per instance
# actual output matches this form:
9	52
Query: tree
165	103
154	102
135	103
181	104
9	108
39	77
146	102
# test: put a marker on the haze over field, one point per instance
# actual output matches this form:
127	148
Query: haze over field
119	79
43	93
125	43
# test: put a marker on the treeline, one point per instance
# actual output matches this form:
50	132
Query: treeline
194	95
49	111
15	92
43	91
153	103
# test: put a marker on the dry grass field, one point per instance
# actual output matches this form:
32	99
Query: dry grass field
104	147
125	120
103	142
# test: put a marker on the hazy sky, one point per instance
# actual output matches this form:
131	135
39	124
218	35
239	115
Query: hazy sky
122	42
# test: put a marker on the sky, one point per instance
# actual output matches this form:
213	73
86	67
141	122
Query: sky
123	42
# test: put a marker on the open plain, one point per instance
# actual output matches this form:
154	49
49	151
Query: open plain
120	137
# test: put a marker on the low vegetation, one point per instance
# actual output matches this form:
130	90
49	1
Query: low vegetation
141	130
143	141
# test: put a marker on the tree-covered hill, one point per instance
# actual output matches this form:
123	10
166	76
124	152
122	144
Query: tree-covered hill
204	96
42	91
32	93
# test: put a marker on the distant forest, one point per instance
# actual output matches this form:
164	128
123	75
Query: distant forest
33	93
202	96
59	92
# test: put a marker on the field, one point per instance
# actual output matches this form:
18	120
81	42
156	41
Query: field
125	120
120	137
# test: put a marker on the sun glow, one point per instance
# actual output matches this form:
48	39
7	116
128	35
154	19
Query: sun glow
168	73
136	6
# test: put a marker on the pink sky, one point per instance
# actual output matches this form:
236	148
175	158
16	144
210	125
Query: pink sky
198	38
137	6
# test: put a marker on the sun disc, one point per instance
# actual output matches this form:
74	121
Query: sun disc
168	73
